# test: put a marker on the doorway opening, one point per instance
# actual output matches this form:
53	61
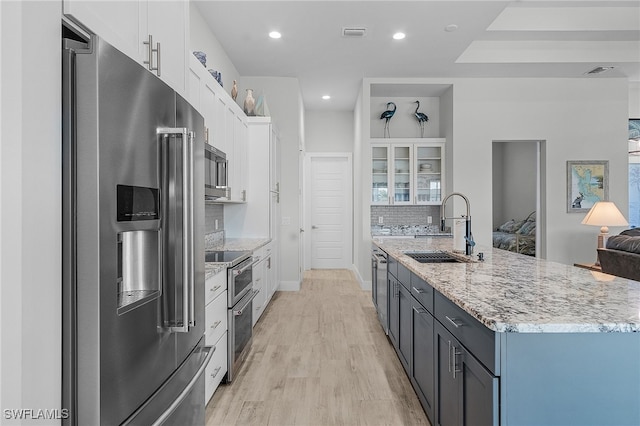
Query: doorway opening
519	188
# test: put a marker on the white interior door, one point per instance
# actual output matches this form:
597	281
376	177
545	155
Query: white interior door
330	210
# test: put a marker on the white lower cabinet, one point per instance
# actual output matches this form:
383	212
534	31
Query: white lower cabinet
271	276
259	285
264	279
215	319
216	369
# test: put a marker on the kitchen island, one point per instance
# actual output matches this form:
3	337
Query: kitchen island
514	339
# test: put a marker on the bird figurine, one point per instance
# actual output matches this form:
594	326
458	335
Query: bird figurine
422	118
387	116
234	90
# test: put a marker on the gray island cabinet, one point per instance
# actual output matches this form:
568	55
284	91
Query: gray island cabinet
514	340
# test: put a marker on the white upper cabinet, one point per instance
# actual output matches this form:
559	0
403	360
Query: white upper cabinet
130	25
168	29
226	125
406	173
117	22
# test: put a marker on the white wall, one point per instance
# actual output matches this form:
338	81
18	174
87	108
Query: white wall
514	180
30	207
580	119
202	39
404	124
634	99
329	131
361	213
284	99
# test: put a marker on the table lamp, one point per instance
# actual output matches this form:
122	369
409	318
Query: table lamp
604	214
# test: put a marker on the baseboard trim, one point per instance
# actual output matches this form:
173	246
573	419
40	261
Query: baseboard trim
364	284
289	286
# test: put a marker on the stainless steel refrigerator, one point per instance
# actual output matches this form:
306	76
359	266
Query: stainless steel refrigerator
133	246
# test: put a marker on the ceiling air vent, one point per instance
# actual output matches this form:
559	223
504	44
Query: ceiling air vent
356	32
599	70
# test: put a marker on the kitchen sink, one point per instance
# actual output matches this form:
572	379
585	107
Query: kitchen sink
433	257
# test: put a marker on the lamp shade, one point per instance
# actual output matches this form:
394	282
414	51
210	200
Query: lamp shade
604	213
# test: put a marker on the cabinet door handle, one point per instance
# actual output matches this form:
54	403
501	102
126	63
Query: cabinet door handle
453	321
158	67
216	288
216	324
149	61
455	361
418	290
449	355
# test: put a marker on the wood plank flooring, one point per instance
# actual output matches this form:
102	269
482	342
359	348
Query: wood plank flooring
319	357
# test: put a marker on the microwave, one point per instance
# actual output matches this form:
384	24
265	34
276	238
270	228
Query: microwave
215	173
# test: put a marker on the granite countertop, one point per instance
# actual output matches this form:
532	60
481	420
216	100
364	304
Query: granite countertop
231	244
249	244
509	292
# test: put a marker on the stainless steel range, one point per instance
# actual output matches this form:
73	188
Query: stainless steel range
240	304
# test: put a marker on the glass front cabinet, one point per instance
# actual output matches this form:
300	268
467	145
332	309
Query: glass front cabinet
407	173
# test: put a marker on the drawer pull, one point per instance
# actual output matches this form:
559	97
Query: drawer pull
453	321
420	310
216	324
418	290
216	288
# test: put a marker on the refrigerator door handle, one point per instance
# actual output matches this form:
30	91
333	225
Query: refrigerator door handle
180	313
185	392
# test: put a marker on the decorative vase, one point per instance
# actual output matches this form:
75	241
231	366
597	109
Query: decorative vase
234	90
202	57
249	103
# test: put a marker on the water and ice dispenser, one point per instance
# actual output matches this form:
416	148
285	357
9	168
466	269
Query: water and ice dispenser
139	246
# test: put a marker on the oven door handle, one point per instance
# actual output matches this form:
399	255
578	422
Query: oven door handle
238	312
237	272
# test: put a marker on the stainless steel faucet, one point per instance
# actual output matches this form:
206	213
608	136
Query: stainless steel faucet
468	237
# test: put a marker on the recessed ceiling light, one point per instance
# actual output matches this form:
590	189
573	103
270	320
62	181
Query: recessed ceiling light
398	36
451	28
275	34
326	97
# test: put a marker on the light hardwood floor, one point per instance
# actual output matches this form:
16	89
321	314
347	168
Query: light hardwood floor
319	357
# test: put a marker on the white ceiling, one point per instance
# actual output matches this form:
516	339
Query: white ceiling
526	38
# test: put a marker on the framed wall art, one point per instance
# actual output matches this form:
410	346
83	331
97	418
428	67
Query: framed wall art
587	183
634	129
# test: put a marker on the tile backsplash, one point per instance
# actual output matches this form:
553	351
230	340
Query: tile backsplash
404	215
213	236
213	212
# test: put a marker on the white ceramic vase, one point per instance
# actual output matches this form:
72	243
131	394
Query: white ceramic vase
250	103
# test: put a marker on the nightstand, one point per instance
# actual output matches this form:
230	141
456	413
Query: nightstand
589	266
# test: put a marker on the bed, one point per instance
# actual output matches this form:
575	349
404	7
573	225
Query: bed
518	236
